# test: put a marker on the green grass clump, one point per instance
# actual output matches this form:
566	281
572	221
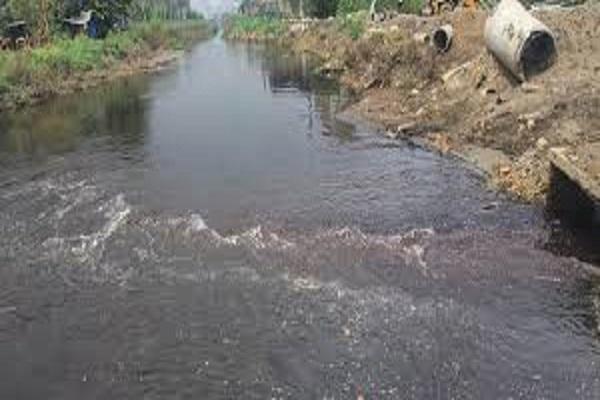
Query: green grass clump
120	46
67	56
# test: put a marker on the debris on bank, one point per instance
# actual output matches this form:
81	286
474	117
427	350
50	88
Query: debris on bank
536	89
520	42
442	38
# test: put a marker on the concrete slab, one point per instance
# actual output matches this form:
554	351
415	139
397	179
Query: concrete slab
581	164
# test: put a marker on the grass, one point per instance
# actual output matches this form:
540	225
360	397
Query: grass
412	6
353	25
259	27
38	71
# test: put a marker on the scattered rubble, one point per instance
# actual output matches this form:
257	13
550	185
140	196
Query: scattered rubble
465	97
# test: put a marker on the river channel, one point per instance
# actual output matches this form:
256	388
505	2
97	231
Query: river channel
214	232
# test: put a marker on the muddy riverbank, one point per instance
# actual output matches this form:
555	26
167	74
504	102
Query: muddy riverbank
463	101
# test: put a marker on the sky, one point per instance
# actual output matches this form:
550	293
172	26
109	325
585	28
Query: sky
213	7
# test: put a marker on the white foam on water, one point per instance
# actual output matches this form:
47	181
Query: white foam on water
356	236
197	224
153	239
306	284
85	193
90	247
371	295
554	279
411	244
116	212
596	306
257	238
416	253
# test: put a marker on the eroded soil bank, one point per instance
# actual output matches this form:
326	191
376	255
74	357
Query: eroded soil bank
463	101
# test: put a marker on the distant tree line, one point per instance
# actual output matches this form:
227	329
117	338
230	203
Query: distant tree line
329	8
311	8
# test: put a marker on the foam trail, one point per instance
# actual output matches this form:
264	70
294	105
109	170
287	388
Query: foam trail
197	224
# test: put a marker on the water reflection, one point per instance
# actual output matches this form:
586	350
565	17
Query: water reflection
296	73
117	111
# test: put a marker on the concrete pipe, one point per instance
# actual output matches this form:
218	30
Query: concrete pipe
523	44
442	38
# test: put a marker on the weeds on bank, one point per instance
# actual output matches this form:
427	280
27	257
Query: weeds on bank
33	72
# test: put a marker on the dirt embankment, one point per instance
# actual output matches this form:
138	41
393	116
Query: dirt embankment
463	101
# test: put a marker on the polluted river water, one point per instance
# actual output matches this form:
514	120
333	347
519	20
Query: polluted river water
214	232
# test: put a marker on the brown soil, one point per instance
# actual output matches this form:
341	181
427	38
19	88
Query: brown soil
464	97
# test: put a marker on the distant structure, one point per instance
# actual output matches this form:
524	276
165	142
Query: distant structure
79	25
16	35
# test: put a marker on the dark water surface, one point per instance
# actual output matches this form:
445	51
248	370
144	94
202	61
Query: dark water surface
213	233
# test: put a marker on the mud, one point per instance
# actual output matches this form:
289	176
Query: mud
464	98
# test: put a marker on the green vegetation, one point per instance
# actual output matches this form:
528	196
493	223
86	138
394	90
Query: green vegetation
412	6
408	6
254	27
40	71
353	24
314	8
45	17
265	19
350	6
50	62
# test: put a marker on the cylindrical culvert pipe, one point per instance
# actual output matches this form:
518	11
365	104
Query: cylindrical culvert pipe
523	44
442	38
